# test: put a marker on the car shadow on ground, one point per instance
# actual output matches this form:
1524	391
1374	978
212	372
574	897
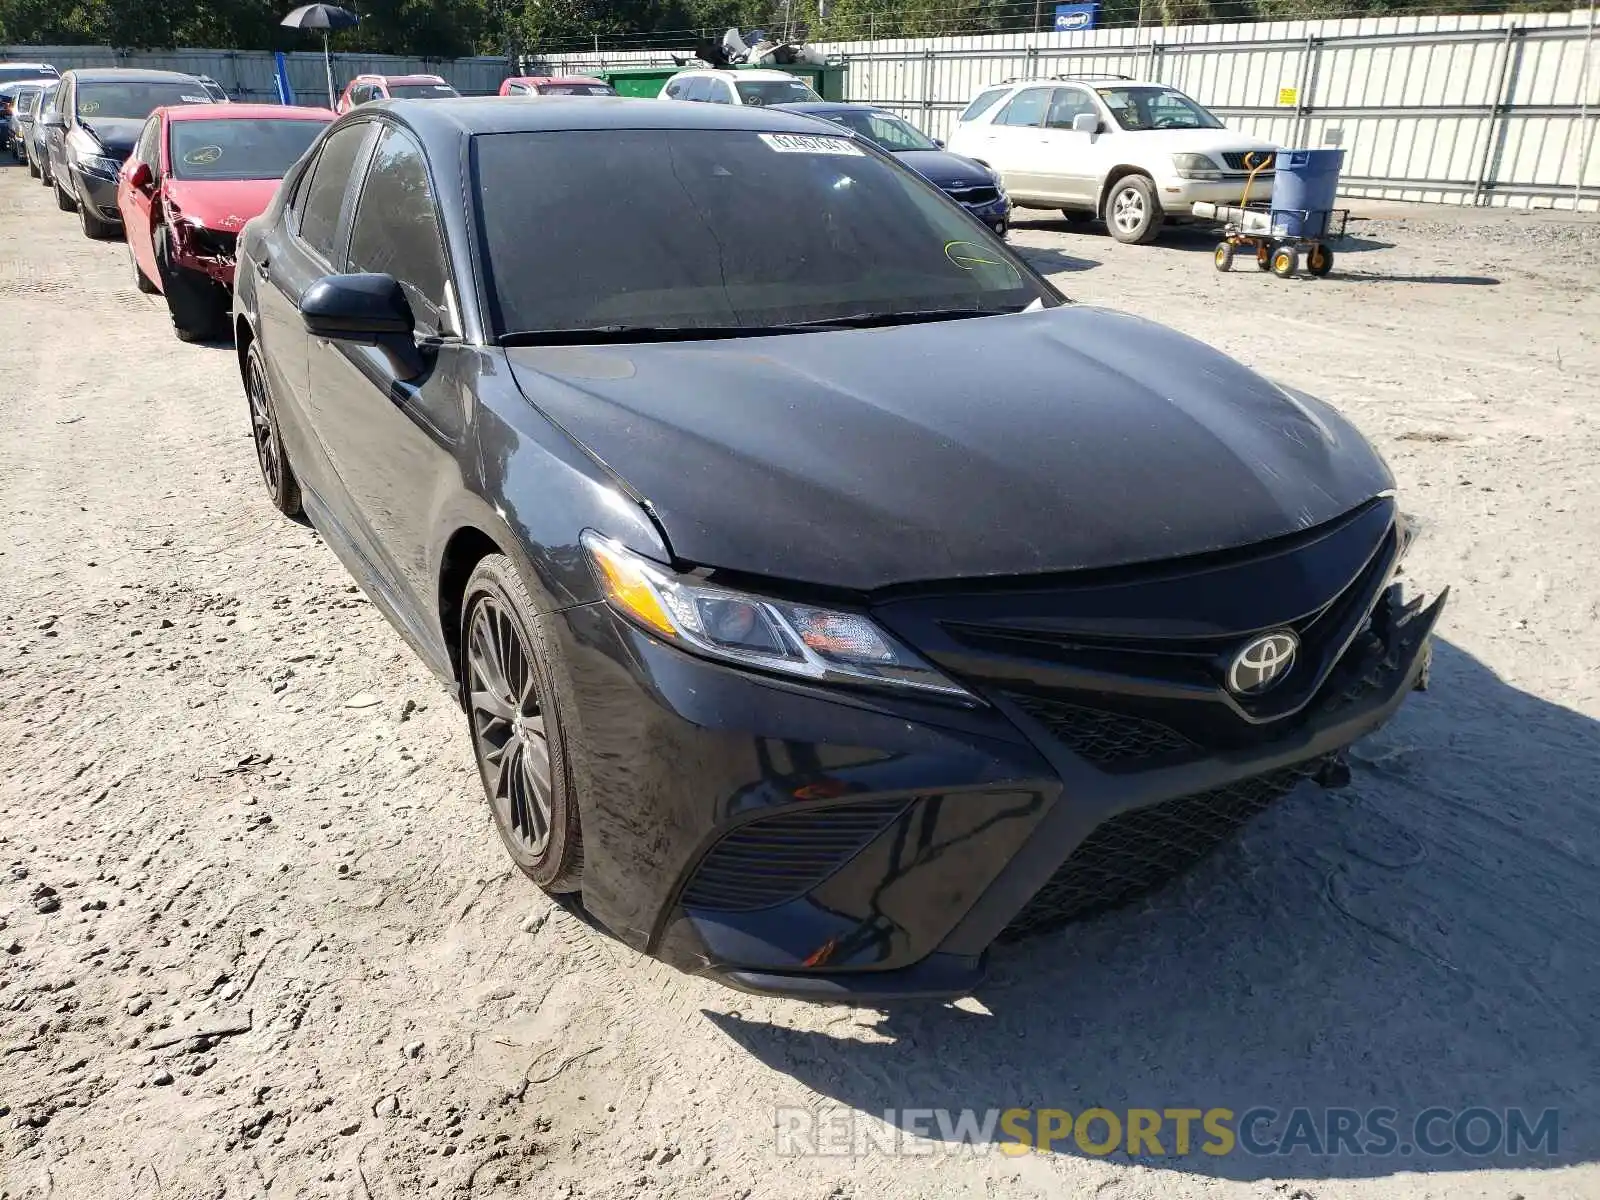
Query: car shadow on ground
1426	937
1048	261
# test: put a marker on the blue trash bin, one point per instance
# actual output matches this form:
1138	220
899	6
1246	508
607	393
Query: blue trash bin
1303	191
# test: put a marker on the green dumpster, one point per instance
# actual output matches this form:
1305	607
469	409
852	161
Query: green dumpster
647	82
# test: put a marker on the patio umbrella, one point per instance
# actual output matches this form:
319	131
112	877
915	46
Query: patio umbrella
326	17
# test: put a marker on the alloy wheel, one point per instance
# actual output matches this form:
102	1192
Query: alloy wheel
268	448
1127	210
508	726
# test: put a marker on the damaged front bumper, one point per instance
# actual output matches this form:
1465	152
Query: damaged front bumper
206	251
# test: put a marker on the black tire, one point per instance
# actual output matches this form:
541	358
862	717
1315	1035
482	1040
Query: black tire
44	173
277	475
1319	261
63	201
514	718
199	304
1222	256
1264	255
33	167
139	280
1285	262
95	228
1132	213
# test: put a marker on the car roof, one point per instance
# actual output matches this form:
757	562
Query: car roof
402	78
234	112
16	85
1089	81
822	108
128	75
555	79
472	115
757	73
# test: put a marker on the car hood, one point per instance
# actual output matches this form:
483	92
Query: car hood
1054	440
946	170
221	204
1195	141
115	134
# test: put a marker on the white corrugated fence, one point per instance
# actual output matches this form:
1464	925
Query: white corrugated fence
1497	109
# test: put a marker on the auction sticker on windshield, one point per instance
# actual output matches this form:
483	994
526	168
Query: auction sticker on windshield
809	143
203	156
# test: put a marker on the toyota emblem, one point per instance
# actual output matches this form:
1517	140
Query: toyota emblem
1262	663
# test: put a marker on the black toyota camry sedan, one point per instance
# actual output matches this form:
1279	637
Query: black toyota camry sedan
827	596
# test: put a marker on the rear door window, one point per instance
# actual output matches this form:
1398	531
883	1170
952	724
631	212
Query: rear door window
1027	107
330	180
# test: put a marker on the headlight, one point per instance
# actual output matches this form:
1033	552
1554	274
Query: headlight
99	164
1196	166
820	644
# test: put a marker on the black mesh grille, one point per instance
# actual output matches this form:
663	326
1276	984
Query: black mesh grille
1138	851
1107	739
976	195
1236	161
771	860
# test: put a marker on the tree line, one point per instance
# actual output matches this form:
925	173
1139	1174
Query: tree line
452	28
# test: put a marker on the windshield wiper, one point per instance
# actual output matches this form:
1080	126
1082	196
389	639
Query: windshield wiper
603	334
912	317
607	334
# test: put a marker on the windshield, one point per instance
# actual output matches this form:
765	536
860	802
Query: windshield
1156	108
421	91
718	228
238	149
759	92
135	101
27	100
883	129
576	89
12	74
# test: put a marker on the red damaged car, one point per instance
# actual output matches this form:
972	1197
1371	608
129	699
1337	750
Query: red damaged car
196	175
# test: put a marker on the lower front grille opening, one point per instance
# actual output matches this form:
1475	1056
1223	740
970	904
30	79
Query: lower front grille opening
1135	852
774	859
1109	740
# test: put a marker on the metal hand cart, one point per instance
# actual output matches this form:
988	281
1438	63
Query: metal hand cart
1278	237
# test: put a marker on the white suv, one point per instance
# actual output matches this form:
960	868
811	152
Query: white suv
1118	148
753	87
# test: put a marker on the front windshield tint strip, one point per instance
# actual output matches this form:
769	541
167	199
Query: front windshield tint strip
736	234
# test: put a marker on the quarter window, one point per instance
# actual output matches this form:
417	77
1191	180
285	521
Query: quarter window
324	196
396	228
1026	108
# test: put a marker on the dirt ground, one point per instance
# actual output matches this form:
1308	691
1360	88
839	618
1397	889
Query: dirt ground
257	937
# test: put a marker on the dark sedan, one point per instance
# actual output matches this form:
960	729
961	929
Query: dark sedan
91	130
827	596
965	180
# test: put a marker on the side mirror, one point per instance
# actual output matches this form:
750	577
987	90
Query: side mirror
368	310
939	142
139	177
1085	123
54	121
